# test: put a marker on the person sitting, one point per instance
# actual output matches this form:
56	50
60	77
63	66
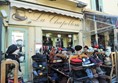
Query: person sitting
12	53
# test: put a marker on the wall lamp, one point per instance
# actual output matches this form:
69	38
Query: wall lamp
79	3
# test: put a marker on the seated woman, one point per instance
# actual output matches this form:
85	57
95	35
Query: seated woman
12	53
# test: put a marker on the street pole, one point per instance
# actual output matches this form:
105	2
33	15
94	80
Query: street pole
95	27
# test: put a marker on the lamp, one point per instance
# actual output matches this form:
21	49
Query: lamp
69	36
81	4
59	36
4	14
47	35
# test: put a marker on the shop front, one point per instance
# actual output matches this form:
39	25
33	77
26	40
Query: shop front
33	27
101	29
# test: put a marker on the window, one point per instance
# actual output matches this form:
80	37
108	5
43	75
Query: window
97	5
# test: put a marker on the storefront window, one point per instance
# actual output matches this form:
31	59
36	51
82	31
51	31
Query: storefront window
58	39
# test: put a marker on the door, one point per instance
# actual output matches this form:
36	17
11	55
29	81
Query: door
19	37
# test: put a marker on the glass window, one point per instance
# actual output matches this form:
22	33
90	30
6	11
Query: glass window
18	39
97	5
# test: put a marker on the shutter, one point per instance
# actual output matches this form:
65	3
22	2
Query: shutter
93	4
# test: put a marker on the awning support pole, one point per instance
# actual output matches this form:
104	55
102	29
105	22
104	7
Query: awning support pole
96	35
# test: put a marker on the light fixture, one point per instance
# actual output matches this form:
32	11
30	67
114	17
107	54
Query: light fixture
81	4
58	35
69	36
3	12
47	35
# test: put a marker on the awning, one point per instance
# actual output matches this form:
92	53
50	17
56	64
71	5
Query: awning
99	21
25	5
101	17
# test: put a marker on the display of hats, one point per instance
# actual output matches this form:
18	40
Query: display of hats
81	66
40	71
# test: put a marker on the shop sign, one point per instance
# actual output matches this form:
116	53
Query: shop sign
43	19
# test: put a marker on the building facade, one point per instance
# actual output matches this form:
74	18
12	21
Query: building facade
30	24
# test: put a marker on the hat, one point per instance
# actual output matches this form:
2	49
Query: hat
35	65
94	80
78	47
91	49
86	47
60	48
64	49
102	80
12	48
89	73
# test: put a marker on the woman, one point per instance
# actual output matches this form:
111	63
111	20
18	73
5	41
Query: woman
12	53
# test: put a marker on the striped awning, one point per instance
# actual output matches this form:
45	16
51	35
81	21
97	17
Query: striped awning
25	5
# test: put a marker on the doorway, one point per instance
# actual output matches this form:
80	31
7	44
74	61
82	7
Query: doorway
19	37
